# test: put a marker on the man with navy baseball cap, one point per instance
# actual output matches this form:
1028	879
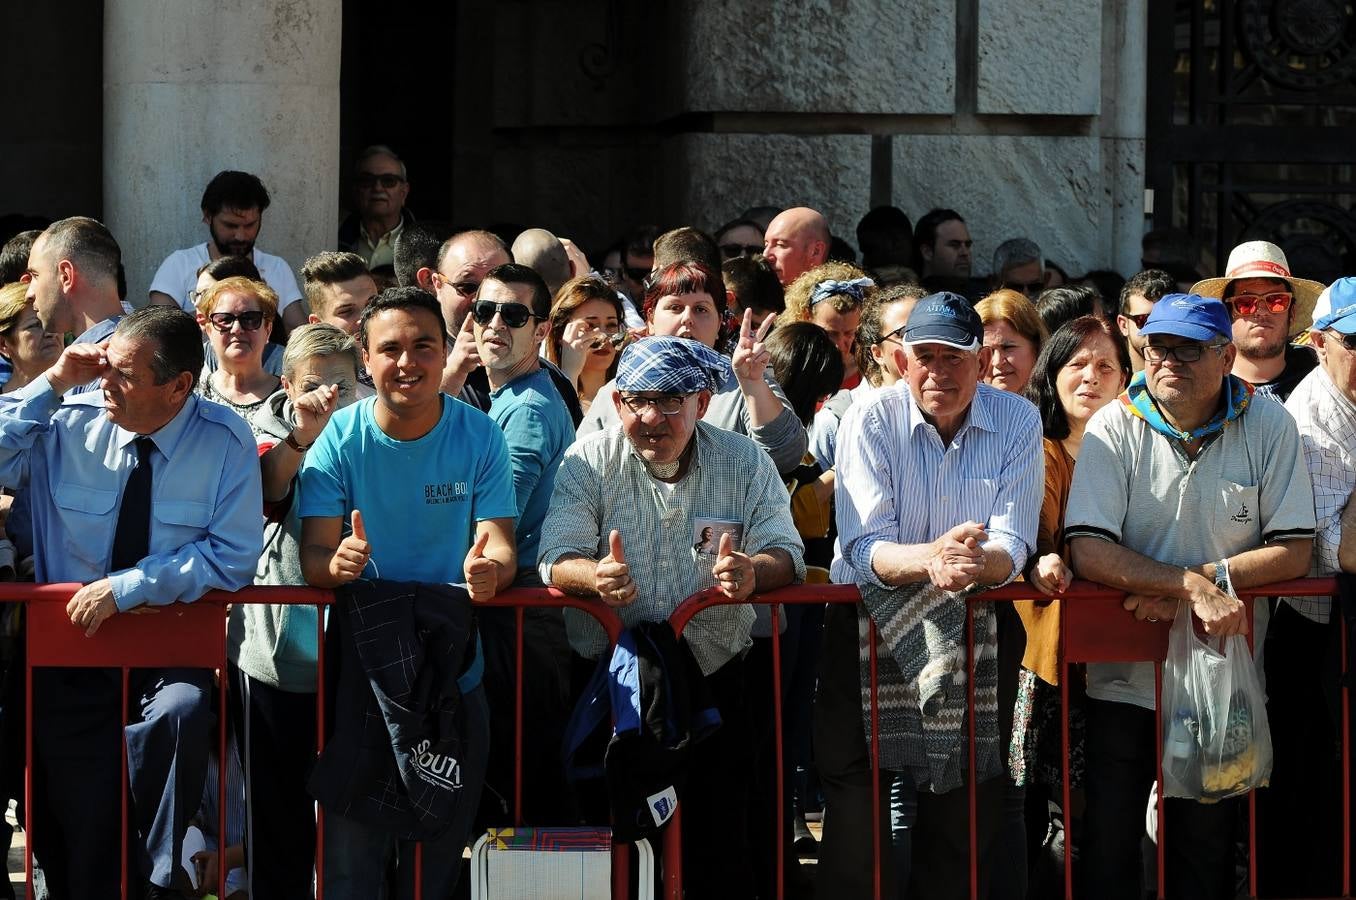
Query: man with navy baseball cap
1186	490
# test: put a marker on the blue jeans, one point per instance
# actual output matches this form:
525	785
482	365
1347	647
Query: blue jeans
357	857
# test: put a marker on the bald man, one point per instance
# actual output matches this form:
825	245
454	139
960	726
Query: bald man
542	252
795	242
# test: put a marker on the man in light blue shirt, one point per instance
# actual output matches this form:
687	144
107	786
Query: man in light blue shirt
146	495
938	493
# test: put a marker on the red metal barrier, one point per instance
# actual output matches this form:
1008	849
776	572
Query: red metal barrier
194	636
1094	627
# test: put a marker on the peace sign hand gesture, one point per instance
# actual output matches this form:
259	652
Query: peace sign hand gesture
751	356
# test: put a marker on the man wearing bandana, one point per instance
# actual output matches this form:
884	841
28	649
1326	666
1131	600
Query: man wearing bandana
626	505
1186	490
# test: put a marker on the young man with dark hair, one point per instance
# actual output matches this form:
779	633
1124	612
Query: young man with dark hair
409	485
233	210
73	279
338	289
416	258
942	246
1138	297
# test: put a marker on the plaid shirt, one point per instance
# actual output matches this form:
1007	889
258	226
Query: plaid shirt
1327	426
603	484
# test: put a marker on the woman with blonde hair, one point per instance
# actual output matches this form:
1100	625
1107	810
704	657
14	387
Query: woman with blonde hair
24	342
831	296
237	316
587	329
1015	332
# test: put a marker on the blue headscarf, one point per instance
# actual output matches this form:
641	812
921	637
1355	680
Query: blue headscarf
856	289
672	365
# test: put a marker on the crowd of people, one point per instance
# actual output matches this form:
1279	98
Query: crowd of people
431	419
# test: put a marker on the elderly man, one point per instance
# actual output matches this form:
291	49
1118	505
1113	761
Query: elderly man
1018	266
663	483
93	465
1299	822
1267	305
380	188
233	205
939	486
1185	490
795	242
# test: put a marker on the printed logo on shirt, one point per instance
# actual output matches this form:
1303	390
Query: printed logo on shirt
1243	516
662	805
436	768
446	492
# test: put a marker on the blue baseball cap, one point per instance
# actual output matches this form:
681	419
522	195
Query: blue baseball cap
1190	316
944	318
1341	314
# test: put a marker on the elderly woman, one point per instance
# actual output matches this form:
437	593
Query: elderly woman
272	648
24	342
831	296
586	330
687	299
237	315
1014	332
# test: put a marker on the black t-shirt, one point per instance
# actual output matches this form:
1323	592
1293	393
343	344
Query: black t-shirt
1299	361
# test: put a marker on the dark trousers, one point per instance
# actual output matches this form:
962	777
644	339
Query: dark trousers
940	837
1299	817
1199	838
276	733
77	779
715	800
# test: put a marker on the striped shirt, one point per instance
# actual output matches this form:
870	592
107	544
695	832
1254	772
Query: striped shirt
603	484
1326	419
898	484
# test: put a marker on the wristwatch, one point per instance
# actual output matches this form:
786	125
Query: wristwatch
291	441
1222	580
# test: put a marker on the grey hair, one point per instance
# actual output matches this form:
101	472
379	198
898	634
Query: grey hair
318	339
1016	252
379	150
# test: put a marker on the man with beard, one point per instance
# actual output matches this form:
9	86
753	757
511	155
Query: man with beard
233	209
1267	306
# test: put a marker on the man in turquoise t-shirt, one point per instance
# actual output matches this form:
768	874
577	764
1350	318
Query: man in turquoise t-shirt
509	321
419	476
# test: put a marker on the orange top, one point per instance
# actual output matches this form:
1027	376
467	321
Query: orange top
1042	622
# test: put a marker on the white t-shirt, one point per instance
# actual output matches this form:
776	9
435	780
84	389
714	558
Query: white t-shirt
178	275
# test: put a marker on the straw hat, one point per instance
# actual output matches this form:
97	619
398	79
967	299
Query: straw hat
1263	259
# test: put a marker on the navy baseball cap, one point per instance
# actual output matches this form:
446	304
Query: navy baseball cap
944	318
1341	315
1190	316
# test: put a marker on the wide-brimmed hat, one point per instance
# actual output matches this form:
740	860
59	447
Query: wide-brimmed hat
1263	259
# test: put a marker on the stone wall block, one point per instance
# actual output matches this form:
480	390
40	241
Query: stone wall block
1040	57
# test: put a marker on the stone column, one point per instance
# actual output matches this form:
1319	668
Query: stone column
192	87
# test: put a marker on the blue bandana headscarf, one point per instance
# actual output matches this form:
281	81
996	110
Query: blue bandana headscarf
672	365
856	289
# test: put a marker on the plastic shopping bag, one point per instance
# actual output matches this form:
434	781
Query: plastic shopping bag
1216	740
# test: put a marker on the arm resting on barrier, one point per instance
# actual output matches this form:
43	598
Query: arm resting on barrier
491	564
327	558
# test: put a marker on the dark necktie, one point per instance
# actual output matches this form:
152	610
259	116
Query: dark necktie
132	538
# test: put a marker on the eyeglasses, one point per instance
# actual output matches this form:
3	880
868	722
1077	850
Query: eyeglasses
1346	340
896	335
249	321
1138	318
367	181
667	404
515	315
1183	353
1029	288
465	288
1247	304
732	251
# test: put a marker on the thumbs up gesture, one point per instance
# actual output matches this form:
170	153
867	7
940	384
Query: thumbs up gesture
612	578
352	554
733	571
482	573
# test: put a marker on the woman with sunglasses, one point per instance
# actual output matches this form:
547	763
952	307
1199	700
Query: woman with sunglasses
687	299
586	331
237	315
1083	367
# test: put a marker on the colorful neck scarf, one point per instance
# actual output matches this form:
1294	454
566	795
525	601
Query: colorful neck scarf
1136	398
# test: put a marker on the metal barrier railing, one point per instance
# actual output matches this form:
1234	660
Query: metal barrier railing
1094	628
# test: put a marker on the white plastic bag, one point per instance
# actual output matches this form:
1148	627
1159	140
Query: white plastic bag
1216	740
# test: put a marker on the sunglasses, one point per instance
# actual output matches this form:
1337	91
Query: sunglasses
1183	353
897	334
249	321
1138	318
464	288
667	404
1347	340
367	181
732	251
515	315
1248	304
